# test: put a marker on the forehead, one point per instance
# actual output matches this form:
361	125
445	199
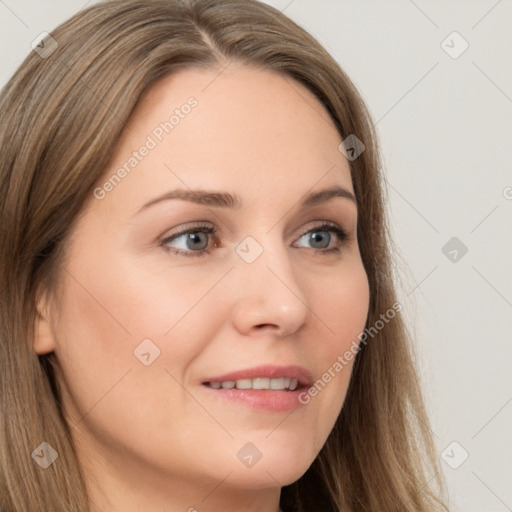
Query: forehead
237	127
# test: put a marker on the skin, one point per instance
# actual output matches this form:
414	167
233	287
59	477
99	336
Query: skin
151	437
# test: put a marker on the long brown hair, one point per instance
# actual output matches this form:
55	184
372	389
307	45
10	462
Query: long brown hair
61	115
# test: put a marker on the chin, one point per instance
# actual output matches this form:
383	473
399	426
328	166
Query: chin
264	477
279	458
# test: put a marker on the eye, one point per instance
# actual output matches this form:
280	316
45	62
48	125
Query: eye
321	237
194	241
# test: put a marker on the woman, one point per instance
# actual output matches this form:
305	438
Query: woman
198	307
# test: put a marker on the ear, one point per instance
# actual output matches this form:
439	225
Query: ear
44	339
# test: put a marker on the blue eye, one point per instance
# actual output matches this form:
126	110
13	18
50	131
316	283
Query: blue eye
194	241
195	245
321	237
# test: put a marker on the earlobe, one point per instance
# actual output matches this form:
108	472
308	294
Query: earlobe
44	340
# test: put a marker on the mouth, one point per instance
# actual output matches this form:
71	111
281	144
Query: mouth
279	384
265	388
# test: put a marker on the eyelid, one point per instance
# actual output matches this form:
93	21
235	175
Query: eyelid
196	226
206	225
324	224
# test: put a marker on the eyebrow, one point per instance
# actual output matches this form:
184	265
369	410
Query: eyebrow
227	200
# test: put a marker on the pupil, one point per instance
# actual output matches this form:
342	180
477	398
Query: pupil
317	237
194	238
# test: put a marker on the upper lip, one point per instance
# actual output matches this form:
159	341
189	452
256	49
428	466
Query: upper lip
269	371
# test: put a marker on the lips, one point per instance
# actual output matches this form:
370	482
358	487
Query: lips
267	388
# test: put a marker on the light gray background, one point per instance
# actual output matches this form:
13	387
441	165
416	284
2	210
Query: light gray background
445	125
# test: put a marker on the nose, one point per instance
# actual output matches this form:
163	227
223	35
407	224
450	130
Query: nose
268	298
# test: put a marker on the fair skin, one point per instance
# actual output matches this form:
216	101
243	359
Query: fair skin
155	437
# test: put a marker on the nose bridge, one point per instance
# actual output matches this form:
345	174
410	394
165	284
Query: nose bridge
269	292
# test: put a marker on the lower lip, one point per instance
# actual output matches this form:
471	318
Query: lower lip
262	399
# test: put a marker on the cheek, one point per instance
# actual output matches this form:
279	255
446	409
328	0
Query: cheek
111	320
342	305
107	389
342	310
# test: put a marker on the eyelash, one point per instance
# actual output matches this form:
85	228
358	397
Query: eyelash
201	228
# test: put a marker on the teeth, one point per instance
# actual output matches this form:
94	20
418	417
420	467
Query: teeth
278	383
261	383
257	383
244	384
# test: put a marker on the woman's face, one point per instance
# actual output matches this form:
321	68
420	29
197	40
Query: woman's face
151	322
